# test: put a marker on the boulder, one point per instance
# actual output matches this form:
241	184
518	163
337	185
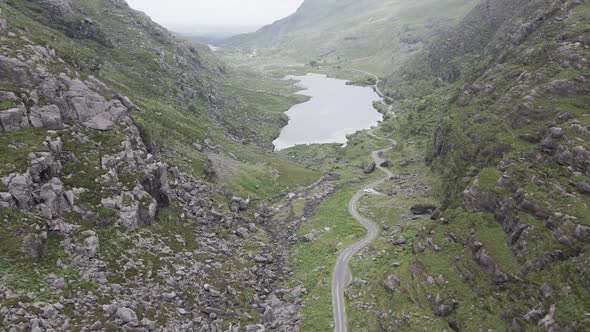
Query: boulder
6	201
100	122
127	315
583	187
16	72
20	187
90	246
46	117
582	232
392	283
369	168
52	198
422	209
10	120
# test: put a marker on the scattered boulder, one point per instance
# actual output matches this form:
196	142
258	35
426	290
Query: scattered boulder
127	315
369	168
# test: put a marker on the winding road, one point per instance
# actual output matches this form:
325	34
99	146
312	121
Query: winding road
342	277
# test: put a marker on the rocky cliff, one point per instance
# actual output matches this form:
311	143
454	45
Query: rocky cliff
503	101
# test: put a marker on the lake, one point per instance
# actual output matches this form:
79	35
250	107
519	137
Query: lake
334	111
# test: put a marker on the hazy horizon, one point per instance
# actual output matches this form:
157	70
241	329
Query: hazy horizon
203	16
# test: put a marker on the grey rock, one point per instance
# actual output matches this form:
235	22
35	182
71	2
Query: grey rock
90	246
534	315
16	72
268	316
583	187
46	117
369	168
10	120
443	310
392	283
97	326
42	166
127	315
53	198
20	187
100	122
581	232
255	328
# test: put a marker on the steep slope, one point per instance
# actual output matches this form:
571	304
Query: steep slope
500	104
122	156
382	33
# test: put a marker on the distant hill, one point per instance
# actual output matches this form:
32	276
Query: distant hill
380	32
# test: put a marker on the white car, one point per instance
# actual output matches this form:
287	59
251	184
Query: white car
368	191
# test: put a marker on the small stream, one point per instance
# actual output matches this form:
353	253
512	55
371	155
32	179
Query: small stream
334	111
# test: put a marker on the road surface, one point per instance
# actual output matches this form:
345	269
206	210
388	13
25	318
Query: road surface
342	276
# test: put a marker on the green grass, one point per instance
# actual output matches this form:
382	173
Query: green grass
313	262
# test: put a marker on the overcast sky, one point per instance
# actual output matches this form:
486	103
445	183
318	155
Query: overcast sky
181	14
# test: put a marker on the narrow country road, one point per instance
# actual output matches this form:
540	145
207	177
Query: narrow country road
342	277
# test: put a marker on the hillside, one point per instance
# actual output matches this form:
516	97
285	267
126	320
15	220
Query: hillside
373	34
131	177
493	124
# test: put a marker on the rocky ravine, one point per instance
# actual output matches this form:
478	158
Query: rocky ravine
99	234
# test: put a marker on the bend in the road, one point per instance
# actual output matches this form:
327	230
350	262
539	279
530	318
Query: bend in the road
342	277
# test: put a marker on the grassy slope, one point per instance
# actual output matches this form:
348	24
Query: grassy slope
131	69
369	34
